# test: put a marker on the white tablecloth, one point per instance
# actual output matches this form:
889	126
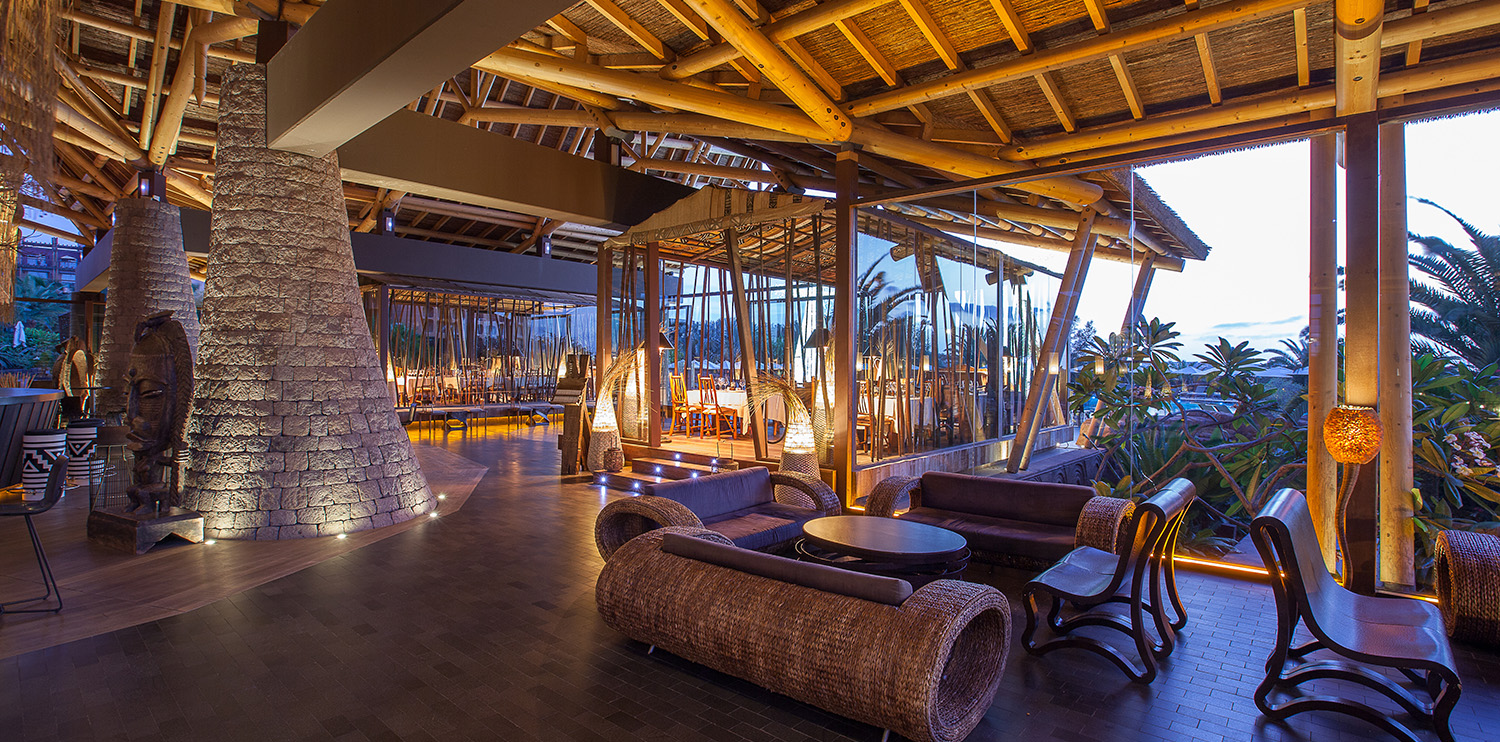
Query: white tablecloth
737	400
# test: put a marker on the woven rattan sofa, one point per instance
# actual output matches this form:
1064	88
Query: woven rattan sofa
746	506
923	664
1007	521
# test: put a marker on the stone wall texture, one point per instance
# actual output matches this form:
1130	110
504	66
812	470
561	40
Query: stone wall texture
293	431
148	273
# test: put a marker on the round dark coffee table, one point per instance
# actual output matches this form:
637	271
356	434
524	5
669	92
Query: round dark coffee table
913	551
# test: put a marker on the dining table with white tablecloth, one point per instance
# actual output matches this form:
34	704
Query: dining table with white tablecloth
737	400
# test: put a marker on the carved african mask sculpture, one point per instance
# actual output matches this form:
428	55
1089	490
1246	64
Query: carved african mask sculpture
160	382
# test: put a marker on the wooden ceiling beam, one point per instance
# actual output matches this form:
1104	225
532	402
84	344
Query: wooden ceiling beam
687	17
1356	54
741	174
169	127
656	91
166	15
137	33
1055	99
1175	27
1479	70
632	28
1210	72
928	25
1299	36
1443	22
778	31
1013	25
804	59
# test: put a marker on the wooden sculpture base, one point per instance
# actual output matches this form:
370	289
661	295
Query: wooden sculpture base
137	532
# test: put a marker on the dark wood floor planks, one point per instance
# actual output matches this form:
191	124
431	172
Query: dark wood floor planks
482	626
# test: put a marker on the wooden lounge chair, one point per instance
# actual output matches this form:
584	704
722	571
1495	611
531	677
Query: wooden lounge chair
1140	575
1399	633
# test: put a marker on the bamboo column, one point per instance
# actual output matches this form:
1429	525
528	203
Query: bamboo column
604	327
1063	311
845	329
1395	503
1322	347
1362	333
1143	277
383	341
653	344
747	343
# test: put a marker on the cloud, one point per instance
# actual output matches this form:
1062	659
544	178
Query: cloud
1294	319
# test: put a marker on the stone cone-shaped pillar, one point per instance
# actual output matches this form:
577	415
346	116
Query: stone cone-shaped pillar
148	273
293	431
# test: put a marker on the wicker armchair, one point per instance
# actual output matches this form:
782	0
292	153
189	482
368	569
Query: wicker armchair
747	506
1007	521
824	648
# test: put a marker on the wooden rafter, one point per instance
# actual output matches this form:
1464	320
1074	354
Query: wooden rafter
631	27
1055	99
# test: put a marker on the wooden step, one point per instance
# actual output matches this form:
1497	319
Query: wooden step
636	451
673	468
627	481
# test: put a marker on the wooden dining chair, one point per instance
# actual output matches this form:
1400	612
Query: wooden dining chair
708	396
682	410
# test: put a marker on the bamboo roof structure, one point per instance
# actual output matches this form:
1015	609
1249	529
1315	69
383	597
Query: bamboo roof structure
759	95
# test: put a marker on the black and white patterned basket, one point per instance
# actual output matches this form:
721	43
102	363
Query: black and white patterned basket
39	448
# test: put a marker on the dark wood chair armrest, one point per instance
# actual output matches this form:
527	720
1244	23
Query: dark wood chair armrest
819	495
882	501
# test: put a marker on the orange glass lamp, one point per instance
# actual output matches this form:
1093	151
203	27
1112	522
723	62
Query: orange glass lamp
1352	434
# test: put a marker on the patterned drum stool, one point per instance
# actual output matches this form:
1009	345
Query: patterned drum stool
39	448
81	436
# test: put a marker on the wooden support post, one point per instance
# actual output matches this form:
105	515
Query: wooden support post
1063	310
1322	346
1394	502
1362	333
653	343
845	328
747	342
383	322
1143	277
604	319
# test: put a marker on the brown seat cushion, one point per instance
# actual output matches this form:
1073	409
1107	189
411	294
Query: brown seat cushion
888	590
763	526
1035	502
1041	541
717	494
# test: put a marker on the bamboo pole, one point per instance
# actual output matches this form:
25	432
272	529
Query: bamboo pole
1063	311
653	343
1322	347
1137	304
1395	504
604	328
724	105
779	31
1356	53
1362	343
169	124
845	328
775	66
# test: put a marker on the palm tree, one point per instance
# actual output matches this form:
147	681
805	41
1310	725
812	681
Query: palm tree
1293	354
1456	299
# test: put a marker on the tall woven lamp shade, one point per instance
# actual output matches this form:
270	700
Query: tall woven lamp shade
1352	434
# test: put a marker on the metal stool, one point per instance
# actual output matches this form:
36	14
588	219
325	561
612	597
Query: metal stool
27	509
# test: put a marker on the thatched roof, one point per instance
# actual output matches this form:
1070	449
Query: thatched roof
932	90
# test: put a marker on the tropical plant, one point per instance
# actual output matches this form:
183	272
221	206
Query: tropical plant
1454	444
1293	354
1456	297
1152	436
30	286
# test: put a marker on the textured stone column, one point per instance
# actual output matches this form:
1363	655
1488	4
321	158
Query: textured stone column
293	432
148	273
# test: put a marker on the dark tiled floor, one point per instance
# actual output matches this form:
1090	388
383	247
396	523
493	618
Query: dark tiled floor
482	625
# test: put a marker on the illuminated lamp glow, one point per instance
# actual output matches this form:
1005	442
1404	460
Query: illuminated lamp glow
1352	434
799	435
604	415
